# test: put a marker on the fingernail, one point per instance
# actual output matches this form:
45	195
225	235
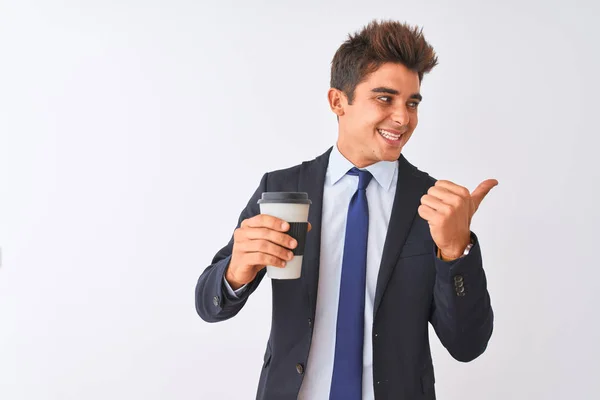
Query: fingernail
293	244
290	255
285	226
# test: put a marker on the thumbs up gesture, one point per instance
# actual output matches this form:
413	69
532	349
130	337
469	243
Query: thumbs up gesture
449	208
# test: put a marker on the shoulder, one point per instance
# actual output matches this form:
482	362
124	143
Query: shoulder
314	165
416	172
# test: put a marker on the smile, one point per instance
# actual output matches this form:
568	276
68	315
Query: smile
389	135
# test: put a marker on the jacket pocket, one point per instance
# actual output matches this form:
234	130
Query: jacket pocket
417	248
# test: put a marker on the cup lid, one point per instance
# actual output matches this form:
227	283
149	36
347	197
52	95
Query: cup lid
284	197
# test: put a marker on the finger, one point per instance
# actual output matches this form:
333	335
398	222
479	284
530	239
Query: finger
266	247
266	221
276	237
454	188
445	195
262	259
309	227
435	203
482	190
427	213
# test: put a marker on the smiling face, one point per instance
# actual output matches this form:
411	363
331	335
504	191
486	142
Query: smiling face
382	116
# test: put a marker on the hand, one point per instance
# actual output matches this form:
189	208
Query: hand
258	242
449	208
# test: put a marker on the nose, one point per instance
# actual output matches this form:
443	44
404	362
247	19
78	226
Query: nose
401	116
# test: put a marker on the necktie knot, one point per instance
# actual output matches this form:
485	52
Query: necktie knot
364	177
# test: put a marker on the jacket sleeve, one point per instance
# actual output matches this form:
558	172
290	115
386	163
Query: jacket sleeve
461	312
213	303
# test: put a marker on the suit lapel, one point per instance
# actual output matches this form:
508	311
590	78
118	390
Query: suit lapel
312	181
412	184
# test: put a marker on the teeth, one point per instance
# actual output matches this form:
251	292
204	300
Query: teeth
388	135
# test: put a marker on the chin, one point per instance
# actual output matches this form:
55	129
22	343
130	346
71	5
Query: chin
388	154
392	157
390	150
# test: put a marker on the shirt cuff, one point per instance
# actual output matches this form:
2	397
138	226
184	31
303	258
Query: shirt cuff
233	293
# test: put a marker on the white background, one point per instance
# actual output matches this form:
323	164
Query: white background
133	133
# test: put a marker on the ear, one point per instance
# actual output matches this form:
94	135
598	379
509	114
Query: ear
337	101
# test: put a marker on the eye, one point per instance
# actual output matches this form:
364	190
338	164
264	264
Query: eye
385	99
413	104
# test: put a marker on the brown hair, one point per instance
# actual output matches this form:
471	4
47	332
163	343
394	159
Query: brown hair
378	43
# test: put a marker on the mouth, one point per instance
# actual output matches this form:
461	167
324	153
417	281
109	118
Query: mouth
392	137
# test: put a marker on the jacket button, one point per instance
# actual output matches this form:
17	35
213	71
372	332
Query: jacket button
458	279
216	301
300	368
310	323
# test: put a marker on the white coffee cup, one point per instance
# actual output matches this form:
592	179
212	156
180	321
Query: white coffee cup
291	207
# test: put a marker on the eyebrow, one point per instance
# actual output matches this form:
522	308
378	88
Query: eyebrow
387	90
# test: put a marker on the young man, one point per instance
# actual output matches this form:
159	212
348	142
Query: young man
354	326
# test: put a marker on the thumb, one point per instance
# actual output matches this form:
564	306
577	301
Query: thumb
482	190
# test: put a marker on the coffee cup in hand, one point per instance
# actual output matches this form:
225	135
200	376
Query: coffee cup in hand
291	207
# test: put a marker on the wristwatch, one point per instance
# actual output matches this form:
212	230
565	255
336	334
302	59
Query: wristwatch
466	252
468	249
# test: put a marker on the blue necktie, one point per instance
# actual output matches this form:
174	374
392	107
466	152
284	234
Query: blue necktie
346	383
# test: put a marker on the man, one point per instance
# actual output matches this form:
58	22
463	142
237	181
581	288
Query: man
354	326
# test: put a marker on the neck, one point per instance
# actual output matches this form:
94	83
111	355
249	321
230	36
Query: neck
355	155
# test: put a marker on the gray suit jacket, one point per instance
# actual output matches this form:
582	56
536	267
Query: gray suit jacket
414	287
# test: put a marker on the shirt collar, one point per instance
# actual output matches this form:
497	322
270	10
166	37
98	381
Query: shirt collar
382	171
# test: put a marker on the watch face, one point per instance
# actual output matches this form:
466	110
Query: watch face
468	249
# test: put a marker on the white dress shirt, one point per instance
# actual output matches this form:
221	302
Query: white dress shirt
339	189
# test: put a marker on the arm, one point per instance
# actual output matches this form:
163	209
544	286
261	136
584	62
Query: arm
462	318
213	302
